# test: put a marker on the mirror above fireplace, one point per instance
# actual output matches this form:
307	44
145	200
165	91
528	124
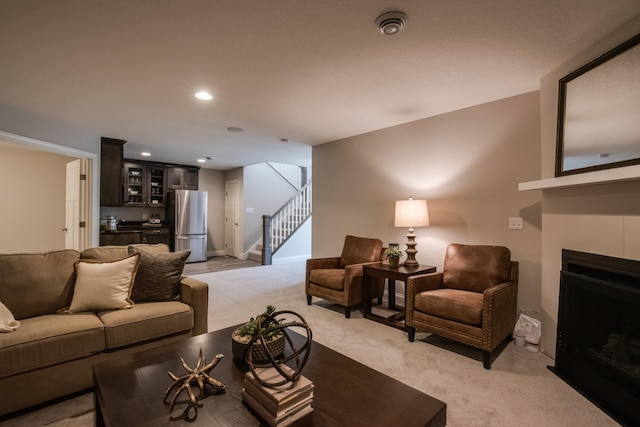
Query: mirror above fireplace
599	113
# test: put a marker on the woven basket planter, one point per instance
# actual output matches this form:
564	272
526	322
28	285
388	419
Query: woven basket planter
258	355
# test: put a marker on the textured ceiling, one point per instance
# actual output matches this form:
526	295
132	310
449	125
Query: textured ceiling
308	71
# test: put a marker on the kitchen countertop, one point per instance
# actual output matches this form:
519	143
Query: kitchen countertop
132	227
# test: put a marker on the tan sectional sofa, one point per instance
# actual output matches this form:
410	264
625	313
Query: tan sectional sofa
51	353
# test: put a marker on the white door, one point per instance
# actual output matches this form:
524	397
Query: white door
78	213
72	215
232	218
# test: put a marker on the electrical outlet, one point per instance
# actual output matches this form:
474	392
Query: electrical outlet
145	216
515	223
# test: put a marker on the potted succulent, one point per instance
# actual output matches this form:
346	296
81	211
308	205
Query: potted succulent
394	254
263	325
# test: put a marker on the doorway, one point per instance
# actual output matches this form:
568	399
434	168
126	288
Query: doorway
232	218
92	203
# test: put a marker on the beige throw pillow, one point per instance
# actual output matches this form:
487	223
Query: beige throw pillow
7	322
103	285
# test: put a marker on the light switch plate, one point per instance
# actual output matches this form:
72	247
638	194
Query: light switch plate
515	223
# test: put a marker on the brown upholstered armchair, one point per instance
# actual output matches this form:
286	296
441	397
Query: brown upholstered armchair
339	279
472	301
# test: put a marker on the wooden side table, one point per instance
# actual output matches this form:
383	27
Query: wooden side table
392	274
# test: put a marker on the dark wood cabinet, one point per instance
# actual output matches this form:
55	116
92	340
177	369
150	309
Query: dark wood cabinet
130	182
154	235
111	164
120	238
144	184
182	178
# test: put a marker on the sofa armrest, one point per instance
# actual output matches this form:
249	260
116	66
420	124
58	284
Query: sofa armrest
499	307
415	285
423	282
319	264
196	294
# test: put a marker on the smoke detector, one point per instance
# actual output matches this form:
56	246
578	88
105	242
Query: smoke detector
391	22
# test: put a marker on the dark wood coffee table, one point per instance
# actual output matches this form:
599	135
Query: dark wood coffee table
347	393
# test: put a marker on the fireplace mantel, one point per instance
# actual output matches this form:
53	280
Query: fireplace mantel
628	173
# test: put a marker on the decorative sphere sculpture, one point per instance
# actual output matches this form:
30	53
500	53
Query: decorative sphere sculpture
298	355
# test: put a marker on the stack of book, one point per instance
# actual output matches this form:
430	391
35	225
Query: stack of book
278	406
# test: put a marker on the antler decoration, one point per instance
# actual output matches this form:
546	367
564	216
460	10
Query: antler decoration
199	375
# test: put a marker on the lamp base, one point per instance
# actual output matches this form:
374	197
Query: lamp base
411	250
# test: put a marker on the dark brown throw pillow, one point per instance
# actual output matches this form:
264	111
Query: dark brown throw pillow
158	275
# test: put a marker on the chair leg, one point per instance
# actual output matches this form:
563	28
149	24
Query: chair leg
486	359
412	333
308	299
347	312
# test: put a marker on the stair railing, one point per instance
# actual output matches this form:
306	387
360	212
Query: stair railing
279	227
294	175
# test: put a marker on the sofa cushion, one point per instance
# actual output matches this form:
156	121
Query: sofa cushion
104	285
357	250
453	304
158	275
50	340
145	321
115	252
38	283
332	278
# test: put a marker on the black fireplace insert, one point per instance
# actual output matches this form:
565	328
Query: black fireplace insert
598	342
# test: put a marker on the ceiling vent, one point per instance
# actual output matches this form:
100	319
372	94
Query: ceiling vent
391	22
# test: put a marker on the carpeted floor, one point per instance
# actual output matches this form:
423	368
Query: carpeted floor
519	390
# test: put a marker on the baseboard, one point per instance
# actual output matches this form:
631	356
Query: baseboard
216	253
276	260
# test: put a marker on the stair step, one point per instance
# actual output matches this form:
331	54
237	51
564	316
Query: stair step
255	256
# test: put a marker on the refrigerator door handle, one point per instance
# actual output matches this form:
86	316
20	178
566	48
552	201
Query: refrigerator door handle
178	213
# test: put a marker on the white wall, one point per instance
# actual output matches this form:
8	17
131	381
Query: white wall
603	219
298	247
264	192
467	164
32	215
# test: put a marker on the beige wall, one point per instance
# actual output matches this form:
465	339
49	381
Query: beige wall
467	164
32	215
603	219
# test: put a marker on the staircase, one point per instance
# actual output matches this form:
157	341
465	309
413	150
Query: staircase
279	227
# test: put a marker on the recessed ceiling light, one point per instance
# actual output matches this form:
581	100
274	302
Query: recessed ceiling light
145	153
235	129
391	23
201	160
204	95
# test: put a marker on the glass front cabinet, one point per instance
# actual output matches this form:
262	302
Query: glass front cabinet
144	185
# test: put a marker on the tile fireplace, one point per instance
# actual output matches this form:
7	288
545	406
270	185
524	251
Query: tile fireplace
598	341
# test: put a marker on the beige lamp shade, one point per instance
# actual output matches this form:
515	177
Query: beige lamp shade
411	213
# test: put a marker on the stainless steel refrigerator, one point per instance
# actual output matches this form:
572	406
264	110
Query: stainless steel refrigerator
187	216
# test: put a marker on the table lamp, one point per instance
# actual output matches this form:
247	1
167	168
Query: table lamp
411	213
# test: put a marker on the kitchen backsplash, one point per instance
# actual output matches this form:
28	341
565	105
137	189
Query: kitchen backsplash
131	214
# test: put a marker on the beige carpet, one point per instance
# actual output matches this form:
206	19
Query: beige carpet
519	390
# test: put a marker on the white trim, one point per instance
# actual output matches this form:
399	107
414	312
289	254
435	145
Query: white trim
628	173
